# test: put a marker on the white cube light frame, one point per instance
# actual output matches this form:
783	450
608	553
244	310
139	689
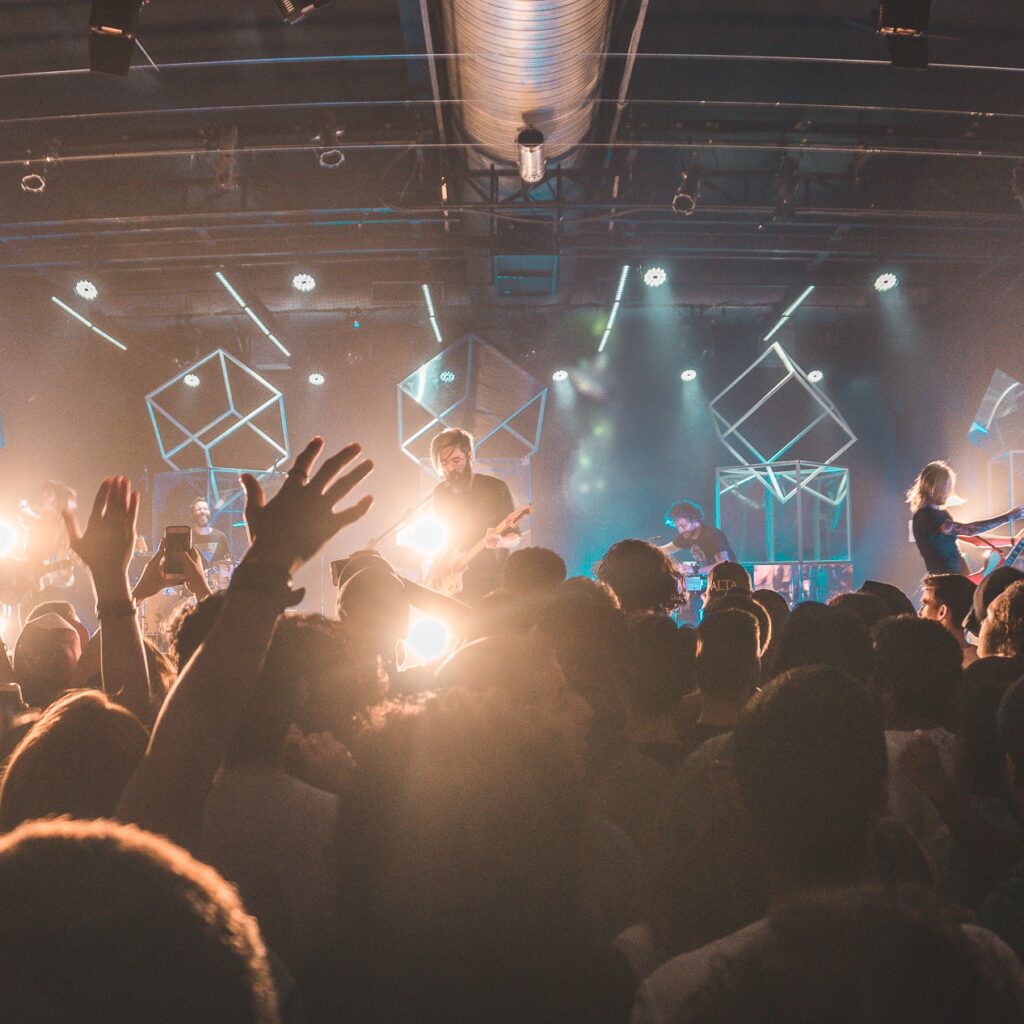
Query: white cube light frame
763	453
224	425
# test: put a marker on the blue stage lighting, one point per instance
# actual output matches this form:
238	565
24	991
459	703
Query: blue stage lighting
446	376
688	375
886	282
655	277
815	376
559	375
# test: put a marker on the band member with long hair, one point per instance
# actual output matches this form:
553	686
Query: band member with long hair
935	531
471	505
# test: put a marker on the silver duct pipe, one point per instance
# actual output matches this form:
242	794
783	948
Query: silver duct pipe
535	63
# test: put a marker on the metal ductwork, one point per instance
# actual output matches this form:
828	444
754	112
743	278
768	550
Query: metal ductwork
526	63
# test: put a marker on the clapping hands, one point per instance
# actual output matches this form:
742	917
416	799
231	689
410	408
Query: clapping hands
290	528
107	544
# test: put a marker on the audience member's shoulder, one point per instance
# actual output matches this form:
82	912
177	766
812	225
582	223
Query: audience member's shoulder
671	986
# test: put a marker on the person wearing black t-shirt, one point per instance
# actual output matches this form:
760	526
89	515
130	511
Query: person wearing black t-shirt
935	531
210	542
707	546
471	505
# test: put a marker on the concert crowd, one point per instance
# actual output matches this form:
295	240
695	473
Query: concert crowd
584	814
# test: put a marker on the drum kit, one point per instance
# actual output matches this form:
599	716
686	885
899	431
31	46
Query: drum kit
160	613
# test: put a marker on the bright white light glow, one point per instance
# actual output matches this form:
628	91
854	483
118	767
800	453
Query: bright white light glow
446	376
428	639
559	375
303	282
86	290
688	375
426	535
815	376
654	277
8	539
615	308
88	323
191	380
885	282
317	379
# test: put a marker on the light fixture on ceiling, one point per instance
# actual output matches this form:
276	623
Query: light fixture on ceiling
904	26
886	282
688	375
295	10
655	277
446	376
112	25
531	161
191	380
816	376
317	379
85	289
684	202
33	183
559	375
303	282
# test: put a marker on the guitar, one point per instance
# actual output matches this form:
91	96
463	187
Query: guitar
20	580
1008	559
446	573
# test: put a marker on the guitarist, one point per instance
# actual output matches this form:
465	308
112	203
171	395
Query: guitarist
935	532
470	505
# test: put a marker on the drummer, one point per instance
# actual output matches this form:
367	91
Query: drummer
207	539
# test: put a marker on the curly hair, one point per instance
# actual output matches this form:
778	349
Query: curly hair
643	577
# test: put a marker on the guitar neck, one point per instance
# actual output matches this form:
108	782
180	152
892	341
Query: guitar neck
1015	552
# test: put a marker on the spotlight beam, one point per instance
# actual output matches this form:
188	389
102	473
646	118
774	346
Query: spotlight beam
88	323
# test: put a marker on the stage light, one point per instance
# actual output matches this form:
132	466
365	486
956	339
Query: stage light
303	282
356	324
86	290
295	10
886	282
655	277
317	379
530	143
688	375
33	183
904	26
431	314
559	375
615	307
426	535
428	639
112	25
191	380
330	159
249	313
88	323
446	377
816	376
790	310
8	539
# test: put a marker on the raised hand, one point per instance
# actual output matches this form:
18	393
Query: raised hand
290	528
108	542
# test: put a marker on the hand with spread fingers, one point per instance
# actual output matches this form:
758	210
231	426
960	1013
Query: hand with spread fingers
290	528
108	542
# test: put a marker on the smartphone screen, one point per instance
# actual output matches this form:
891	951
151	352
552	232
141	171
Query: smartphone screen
177	541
